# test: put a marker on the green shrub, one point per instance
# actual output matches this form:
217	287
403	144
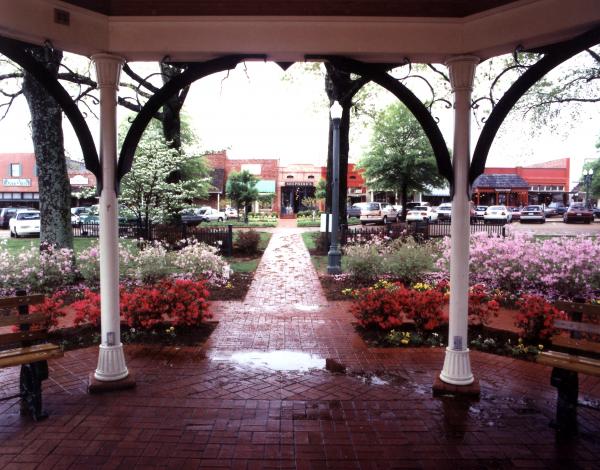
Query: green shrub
363	262
247	242
407	260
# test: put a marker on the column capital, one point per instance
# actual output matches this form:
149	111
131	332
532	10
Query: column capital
108	69
462	71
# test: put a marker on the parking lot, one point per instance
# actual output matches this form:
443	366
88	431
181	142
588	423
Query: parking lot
555	226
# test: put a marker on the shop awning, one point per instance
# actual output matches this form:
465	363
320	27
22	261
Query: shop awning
266	186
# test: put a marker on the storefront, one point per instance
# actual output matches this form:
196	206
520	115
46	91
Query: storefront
503	189
293	195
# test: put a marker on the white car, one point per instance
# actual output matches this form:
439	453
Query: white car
444	211
422	213
211	215
231	213
497	214
25	222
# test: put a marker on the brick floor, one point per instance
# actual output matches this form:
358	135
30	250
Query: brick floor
233	403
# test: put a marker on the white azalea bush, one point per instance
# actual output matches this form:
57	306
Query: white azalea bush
198	260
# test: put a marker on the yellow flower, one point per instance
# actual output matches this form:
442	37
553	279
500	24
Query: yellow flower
404	341
540	346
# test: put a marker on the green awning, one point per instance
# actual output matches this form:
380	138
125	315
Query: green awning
266	186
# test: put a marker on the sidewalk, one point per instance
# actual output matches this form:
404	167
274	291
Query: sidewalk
257	396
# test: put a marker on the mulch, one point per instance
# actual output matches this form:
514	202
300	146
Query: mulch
89	335
236	289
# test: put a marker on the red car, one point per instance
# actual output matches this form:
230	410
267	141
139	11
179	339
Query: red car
577	212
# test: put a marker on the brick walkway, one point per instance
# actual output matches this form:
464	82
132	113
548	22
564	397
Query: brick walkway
257	396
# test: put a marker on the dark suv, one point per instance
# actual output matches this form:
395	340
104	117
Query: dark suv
7	213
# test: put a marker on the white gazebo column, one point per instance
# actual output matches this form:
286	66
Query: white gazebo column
457	365
111	361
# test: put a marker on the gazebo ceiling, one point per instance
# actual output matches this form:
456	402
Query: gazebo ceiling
384	8
289	30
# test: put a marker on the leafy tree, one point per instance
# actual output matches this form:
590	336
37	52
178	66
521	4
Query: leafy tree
321	189
595	183
400	158
241	189
154	190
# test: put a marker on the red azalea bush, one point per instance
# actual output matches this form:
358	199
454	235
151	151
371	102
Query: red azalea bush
180	302
377	308
390	307
52	308
536	318
425	308
482	305
87	309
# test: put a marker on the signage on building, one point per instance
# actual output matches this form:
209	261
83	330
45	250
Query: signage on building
16	181
502	190
299	183
79	180
252	168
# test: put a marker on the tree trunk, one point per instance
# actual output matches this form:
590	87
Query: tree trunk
404	195
47	135
171	111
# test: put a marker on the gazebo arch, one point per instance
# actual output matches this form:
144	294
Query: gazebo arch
556	55
16	51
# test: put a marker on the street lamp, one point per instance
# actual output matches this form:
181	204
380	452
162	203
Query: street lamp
587	180
334	256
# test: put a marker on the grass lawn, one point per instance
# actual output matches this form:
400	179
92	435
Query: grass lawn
318	261
249	264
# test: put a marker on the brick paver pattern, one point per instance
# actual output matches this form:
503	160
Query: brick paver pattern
256	395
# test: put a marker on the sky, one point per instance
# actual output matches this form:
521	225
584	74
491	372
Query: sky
260	111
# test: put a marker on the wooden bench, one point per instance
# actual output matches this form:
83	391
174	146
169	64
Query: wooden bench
571	354
26	348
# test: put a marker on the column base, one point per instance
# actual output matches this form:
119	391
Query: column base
442	388
111	364
457	368
99	386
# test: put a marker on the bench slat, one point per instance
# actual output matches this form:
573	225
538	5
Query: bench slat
10	338
39	352
574	343
577	326
570	362
8	320
11	302
587	309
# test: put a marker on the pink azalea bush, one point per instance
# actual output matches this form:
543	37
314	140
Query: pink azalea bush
558	267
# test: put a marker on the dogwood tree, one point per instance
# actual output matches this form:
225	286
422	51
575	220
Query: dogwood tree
154	190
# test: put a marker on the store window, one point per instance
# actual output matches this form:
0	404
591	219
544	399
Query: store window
15	170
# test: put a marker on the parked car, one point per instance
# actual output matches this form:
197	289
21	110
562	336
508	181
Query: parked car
25	222
577	212
515	213
231	213
378	212
76	213
7	213
533	213
410	205
497	214
91	216
193	216
444	211
420	213
555	208
479	211
212	215
596	211
355	210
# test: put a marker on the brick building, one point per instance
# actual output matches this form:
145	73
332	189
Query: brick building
19	180
541	183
